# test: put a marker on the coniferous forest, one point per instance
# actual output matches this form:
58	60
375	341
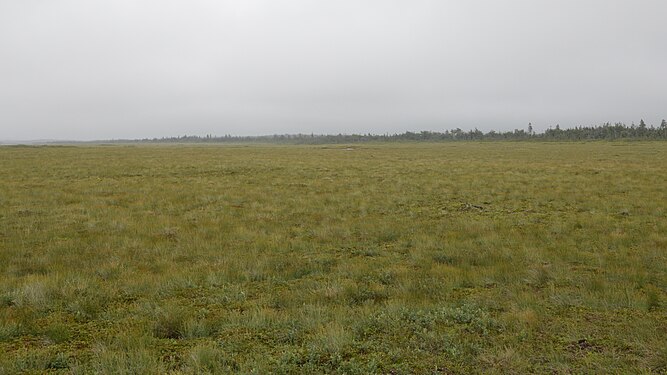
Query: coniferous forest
607	131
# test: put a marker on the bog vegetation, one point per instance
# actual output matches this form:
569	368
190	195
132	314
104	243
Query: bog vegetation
459	258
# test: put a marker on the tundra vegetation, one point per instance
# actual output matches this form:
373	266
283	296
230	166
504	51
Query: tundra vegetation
495	257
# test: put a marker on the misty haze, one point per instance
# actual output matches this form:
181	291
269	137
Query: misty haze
82	70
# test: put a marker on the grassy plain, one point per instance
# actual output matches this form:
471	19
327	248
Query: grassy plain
498	257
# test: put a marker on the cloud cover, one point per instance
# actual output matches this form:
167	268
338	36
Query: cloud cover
75	69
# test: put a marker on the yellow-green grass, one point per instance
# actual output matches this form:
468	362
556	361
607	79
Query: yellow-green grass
400	258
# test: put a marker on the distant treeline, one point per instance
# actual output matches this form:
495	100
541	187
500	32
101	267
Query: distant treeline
606	131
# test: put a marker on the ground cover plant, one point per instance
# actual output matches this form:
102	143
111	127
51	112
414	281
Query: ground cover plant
497	257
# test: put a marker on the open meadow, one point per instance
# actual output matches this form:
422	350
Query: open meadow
460	257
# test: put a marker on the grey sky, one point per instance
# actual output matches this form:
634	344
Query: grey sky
95	69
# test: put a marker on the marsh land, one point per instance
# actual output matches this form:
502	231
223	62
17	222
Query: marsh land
470	257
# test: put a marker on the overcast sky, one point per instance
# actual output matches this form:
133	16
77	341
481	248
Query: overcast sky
100	69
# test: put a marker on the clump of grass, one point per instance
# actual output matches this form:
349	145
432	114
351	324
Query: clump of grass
36	294
281	300
29	266
332	338
228	295
426	286
170	321
653	301
6	300
209	358
540	276
10	330
291	332
505	360
444	258
360	293
197	328
34	361
60	361
169	234
58	333
522	320
135	361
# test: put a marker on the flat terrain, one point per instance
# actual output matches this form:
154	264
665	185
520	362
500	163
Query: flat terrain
499	257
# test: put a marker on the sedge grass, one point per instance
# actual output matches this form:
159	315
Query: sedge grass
407	258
